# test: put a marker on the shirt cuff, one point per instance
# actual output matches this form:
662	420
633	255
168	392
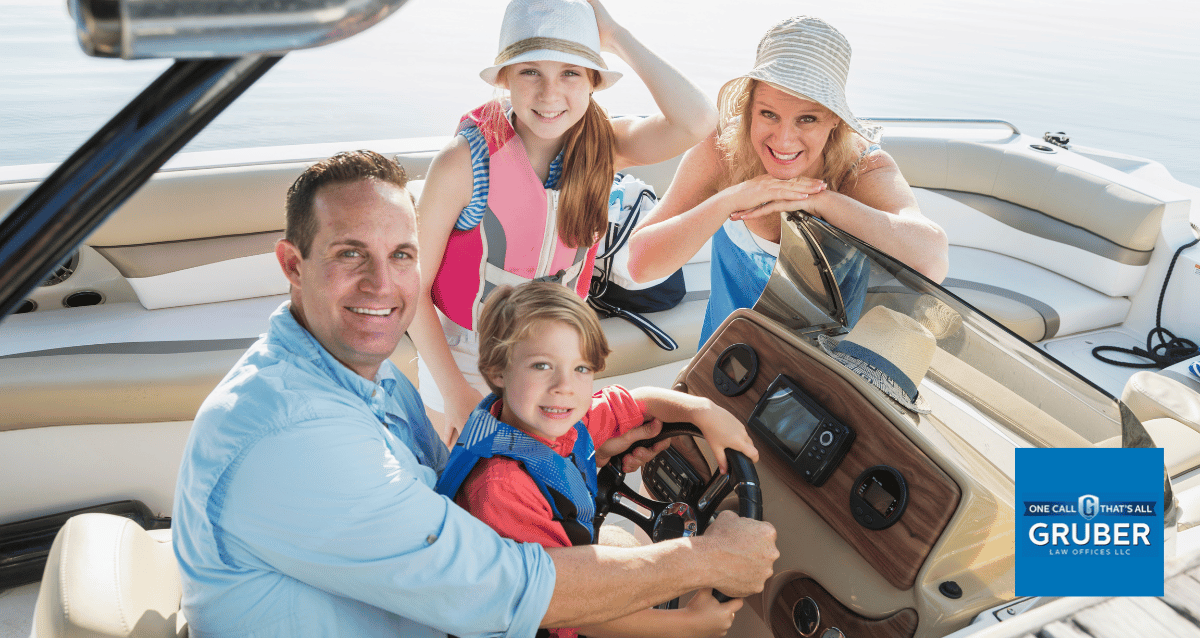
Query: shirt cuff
539	569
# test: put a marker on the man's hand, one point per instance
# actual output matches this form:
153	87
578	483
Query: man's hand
639	456
740	552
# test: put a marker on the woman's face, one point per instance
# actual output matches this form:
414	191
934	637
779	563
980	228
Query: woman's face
548	98
789	133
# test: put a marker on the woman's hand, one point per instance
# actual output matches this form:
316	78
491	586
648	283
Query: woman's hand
608	27
764	195
708	618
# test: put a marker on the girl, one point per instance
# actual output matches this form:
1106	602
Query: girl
787	141
521	193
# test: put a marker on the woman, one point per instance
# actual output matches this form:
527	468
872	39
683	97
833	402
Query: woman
786	141
522	191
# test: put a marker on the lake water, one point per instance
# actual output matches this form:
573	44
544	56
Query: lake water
1116	75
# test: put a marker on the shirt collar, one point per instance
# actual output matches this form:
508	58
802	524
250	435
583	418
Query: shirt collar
298	340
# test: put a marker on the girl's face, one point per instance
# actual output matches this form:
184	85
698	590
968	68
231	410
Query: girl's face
789	133
547	382
548	98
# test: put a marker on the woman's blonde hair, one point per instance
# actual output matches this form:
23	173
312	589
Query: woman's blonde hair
838	157
587	173
511	314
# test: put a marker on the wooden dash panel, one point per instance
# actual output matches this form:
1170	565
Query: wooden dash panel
902	624
897	552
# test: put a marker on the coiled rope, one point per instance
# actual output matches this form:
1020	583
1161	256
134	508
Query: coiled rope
1170	349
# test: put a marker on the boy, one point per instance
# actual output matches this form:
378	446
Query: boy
525	463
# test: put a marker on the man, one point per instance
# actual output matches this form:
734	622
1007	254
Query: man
305	502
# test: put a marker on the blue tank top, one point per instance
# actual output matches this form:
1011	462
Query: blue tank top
740	269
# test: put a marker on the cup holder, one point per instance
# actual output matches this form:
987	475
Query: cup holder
28	305
83	298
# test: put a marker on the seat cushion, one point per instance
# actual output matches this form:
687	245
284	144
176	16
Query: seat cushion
1180	443
1029	300
1152	395
106	576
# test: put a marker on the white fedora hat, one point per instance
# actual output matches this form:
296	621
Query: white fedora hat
890	350
552	30
806	57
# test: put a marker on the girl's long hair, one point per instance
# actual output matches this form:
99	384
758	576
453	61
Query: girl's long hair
741	158
587	175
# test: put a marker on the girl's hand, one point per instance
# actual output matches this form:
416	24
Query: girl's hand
608	26
764	195
723	430
709	618
458	411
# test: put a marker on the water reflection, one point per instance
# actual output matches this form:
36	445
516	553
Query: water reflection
1112	77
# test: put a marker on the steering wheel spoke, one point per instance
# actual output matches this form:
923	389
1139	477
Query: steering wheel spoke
719	487
641	520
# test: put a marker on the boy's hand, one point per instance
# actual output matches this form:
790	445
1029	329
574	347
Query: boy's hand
707	618
723	430
639	456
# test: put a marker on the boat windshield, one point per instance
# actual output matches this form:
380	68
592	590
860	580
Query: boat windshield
985	384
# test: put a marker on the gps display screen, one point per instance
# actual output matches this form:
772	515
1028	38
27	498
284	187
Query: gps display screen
785	416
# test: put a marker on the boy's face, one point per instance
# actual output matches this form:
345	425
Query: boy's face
547	383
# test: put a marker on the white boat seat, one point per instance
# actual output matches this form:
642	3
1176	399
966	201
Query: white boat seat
1180	444
1155	395
106	576
999	286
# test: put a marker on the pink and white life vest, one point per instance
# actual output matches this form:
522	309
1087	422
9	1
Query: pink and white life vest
517	240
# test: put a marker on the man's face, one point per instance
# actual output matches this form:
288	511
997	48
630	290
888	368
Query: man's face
357	291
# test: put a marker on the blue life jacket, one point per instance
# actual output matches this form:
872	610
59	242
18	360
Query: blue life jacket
569	485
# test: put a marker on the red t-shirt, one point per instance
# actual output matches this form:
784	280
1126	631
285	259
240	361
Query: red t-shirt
500	493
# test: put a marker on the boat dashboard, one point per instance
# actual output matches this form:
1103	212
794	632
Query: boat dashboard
891	522
832	458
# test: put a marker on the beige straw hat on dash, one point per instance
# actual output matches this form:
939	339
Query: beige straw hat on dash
553	30
891	351
806	57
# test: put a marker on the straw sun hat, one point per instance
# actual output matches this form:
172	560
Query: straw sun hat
553	30
891	351
806	57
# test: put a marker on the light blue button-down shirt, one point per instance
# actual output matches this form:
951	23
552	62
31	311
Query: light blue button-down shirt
305	507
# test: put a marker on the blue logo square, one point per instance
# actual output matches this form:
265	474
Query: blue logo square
1089	522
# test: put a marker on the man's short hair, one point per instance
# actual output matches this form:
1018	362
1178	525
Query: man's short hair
511	314
349	166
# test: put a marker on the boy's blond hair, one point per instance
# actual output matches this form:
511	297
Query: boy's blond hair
510	315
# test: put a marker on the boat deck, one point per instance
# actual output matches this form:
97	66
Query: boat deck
1175	614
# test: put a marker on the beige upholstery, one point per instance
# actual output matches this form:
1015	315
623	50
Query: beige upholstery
1153	396
633	351
1063	185
999	285
1049	243
1180	443
1170	412
122	388
106	576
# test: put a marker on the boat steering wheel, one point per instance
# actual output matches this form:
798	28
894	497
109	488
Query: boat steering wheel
682	518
